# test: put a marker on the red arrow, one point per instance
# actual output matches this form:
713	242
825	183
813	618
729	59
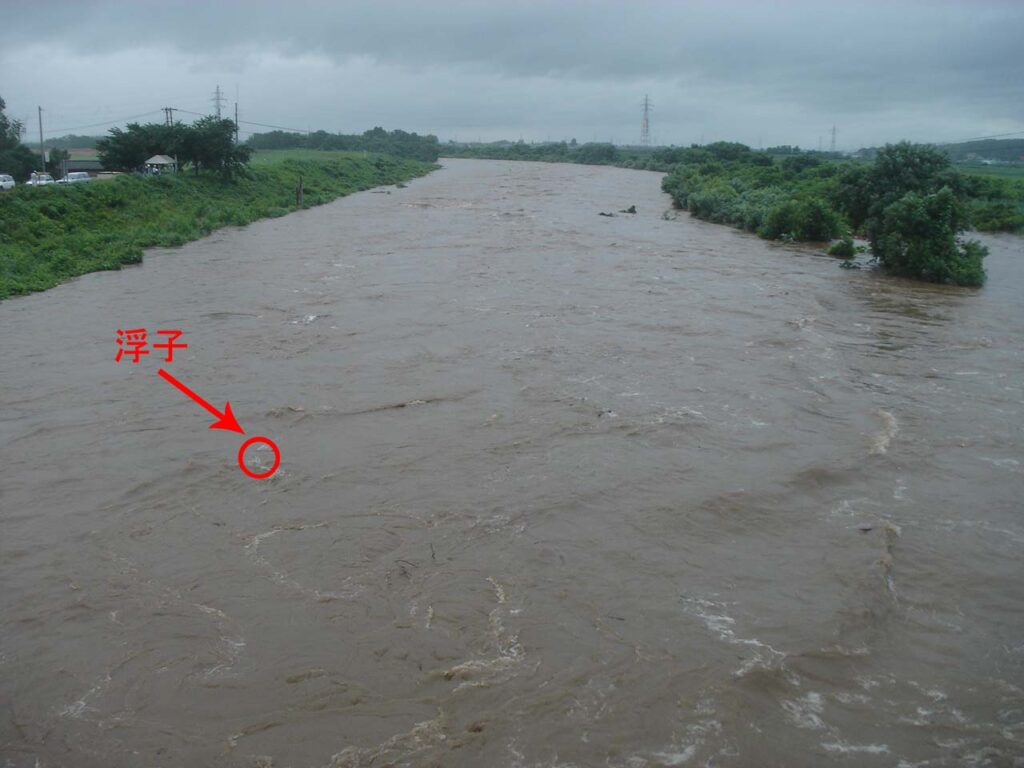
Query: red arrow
224	420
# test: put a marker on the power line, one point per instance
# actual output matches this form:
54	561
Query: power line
276	127
97	125
982	138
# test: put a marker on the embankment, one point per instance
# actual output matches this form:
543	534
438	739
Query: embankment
52	234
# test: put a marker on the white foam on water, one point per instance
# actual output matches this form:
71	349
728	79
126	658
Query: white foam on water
852	698
721	624
1001	463
683	750
481	672
677	758
77	709
253	550
881	439
806	711
851	749
400	749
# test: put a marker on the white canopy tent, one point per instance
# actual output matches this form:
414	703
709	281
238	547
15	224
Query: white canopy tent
161	164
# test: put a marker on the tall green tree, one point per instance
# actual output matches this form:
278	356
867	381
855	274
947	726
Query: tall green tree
56	160
15	158
128	149
900	169
913	206
918	239
208	145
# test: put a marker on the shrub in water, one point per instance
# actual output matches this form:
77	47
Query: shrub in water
843	248
918	239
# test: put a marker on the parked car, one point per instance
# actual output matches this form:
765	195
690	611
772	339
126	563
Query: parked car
6	181
75	177
39	180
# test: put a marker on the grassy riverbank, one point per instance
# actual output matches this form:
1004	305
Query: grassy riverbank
51	234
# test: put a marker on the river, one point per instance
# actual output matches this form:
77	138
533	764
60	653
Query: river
556	489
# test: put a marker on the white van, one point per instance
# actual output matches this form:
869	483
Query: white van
75	177
6	181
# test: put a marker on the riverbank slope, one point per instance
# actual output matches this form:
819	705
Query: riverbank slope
49	235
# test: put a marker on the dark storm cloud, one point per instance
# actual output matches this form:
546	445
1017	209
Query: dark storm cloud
823	61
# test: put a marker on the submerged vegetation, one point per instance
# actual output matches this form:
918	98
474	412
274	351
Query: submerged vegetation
910	204
51	234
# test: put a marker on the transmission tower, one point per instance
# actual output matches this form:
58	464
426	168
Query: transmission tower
833	144
645	123
218	99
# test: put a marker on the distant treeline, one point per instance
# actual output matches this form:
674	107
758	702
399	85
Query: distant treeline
396	143
73	141
549	152
1004	150
641	158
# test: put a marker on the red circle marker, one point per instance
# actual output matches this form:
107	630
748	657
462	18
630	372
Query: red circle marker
273	447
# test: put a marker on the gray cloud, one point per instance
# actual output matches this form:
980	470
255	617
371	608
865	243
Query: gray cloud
776	72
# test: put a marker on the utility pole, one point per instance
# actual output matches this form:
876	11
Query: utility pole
236	122
833	145
168	116
217	99
645	124
42	149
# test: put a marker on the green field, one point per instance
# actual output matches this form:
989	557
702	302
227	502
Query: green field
1000	171
270	156
52	234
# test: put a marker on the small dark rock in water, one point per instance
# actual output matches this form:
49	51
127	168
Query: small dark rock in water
602	213
631	209
865	527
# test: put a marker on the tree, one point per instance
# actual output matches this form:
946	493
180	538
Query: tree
128	149
15	158
918	238
56	161
898	170
208	144
913	206
597	153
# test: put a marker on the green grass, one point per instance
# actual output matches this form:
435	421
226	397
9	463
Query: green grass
1000	171
52	234
273	156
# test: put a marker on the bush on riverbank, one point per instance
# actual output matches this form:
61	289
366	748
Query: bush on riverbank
51	234
918	238
731	184
911	203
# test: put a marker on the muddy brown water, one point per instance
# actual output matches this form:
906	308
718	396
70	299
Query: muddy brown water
557	490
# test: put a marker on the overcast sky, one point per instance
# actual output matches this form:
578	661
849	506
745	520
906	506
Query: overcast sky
757	72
